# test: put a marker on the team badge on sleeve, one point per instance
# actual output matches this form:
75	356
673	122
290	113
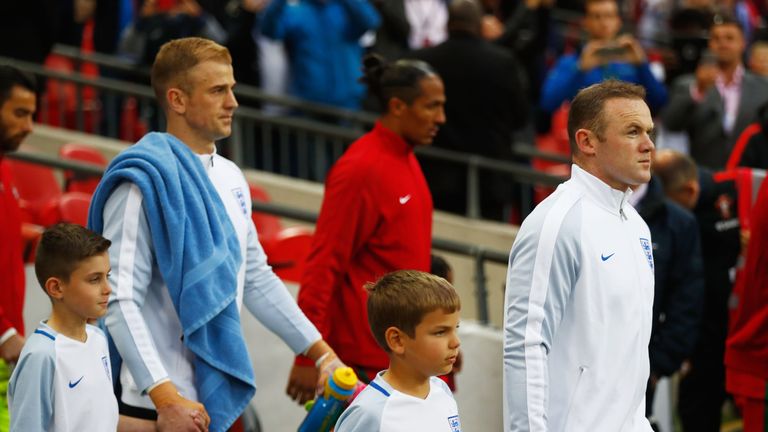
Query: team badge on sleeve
454	423
647	250
240	197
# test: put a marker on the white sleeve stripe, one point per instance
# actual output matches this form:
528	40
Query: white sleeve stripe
124	289
534	354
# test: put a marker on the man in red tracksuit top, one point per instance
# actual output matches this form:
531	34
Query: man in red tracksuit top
376	217
17	106
746	351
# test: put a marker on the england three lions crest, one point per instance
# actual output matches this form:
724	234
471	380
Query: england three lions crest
647	250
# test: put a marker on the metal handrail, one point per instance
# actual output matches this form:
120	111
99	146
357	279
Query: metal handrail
241	90
479	254
246	117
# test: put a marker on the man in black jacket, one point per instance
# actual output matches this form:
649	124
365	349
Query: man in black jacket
486	100
713	200
679	288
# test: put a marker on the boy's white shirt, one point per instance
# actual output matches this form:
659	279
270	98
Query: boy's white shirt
379	407
61	384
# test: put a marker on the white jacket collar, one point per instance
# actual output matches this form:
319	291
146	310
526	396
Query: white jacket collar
611	199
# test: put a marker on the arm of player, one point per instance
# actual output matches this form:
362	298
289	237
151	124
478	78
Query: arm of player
267	298
543	269
131	258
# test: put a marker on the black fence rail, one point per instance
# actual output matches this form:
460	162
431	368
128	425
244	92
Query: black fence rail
295	145
480	255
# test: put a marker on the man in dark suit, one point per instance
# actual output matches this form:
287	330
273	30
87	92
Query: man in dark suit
407	25
719	100
486	101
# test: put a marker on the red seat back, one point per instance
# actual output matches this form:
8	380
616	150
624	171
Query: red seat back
78	152
39	192
73	207
288	252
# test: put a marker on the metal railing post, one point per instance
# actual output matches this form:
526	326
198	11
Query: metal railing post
236	141
473	189
481	293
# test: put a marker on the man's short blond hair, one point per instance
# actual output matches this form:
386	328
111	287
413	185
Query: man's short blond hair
402	298
177	57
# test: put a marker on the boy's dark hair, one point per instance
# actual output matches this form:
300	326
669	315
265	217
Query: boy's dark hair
62	247
402	298
400	79
11	77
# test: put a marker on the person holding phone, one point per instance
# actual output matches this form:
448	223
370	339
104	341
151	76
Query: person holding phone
606	54
719	100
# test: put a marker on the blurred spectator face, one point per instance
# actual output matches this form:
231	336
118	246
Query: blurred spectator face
758	59
601	19
16	118
209	100
84	10
727	43
421	120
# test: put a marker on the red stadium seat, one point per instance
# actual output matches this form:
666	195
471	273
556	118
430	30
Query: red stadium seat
39	192
267	225
74	182
288	252
73	207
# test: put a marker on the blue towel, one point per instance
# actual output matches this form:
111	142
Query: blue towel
198	254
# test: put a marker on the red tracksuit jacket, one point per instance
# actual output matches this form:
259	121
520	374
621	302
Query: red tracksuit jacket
11	256
376	217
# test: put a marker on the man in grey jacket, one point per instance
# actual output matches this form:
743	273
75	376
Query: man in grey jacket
715	104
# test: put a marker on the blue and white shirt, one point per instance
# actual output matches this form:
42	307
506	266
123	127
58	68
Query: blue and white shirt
578	312
61	384
141	318
381	408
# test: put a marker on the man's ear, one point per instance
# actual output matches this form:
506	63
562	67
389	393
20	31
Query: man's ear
395	340
176	100
396	106
585	141
54	287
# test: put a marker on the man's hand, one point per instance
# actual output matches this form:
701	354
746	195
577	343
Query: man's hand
635	53
590	57
175	413
706	75
302	383
172	418
11	349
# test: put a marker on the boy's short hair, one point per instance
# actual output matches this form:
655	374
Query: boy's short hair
177	57
62	247
402	298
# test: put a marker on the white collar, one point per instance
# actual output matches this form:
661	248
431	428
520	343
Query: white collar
606	196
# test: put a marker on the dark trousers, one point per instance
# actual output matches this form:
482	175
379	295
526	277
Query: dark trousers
702	393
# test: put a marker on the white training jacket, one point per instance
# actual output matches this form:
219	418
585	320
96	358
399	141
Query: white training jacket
141	318
577	313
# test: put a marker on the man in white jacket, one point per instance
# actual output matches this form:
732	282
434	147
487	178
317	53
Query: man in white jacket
579	293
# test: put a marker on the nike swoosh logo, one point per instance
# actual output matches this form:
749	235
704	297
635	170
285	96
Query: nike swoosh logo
405	199
73	384
606	258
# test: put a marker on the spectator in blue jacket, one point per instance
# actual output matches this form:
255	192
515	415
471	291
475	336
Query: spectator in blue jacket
322	42
605	55
679	282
